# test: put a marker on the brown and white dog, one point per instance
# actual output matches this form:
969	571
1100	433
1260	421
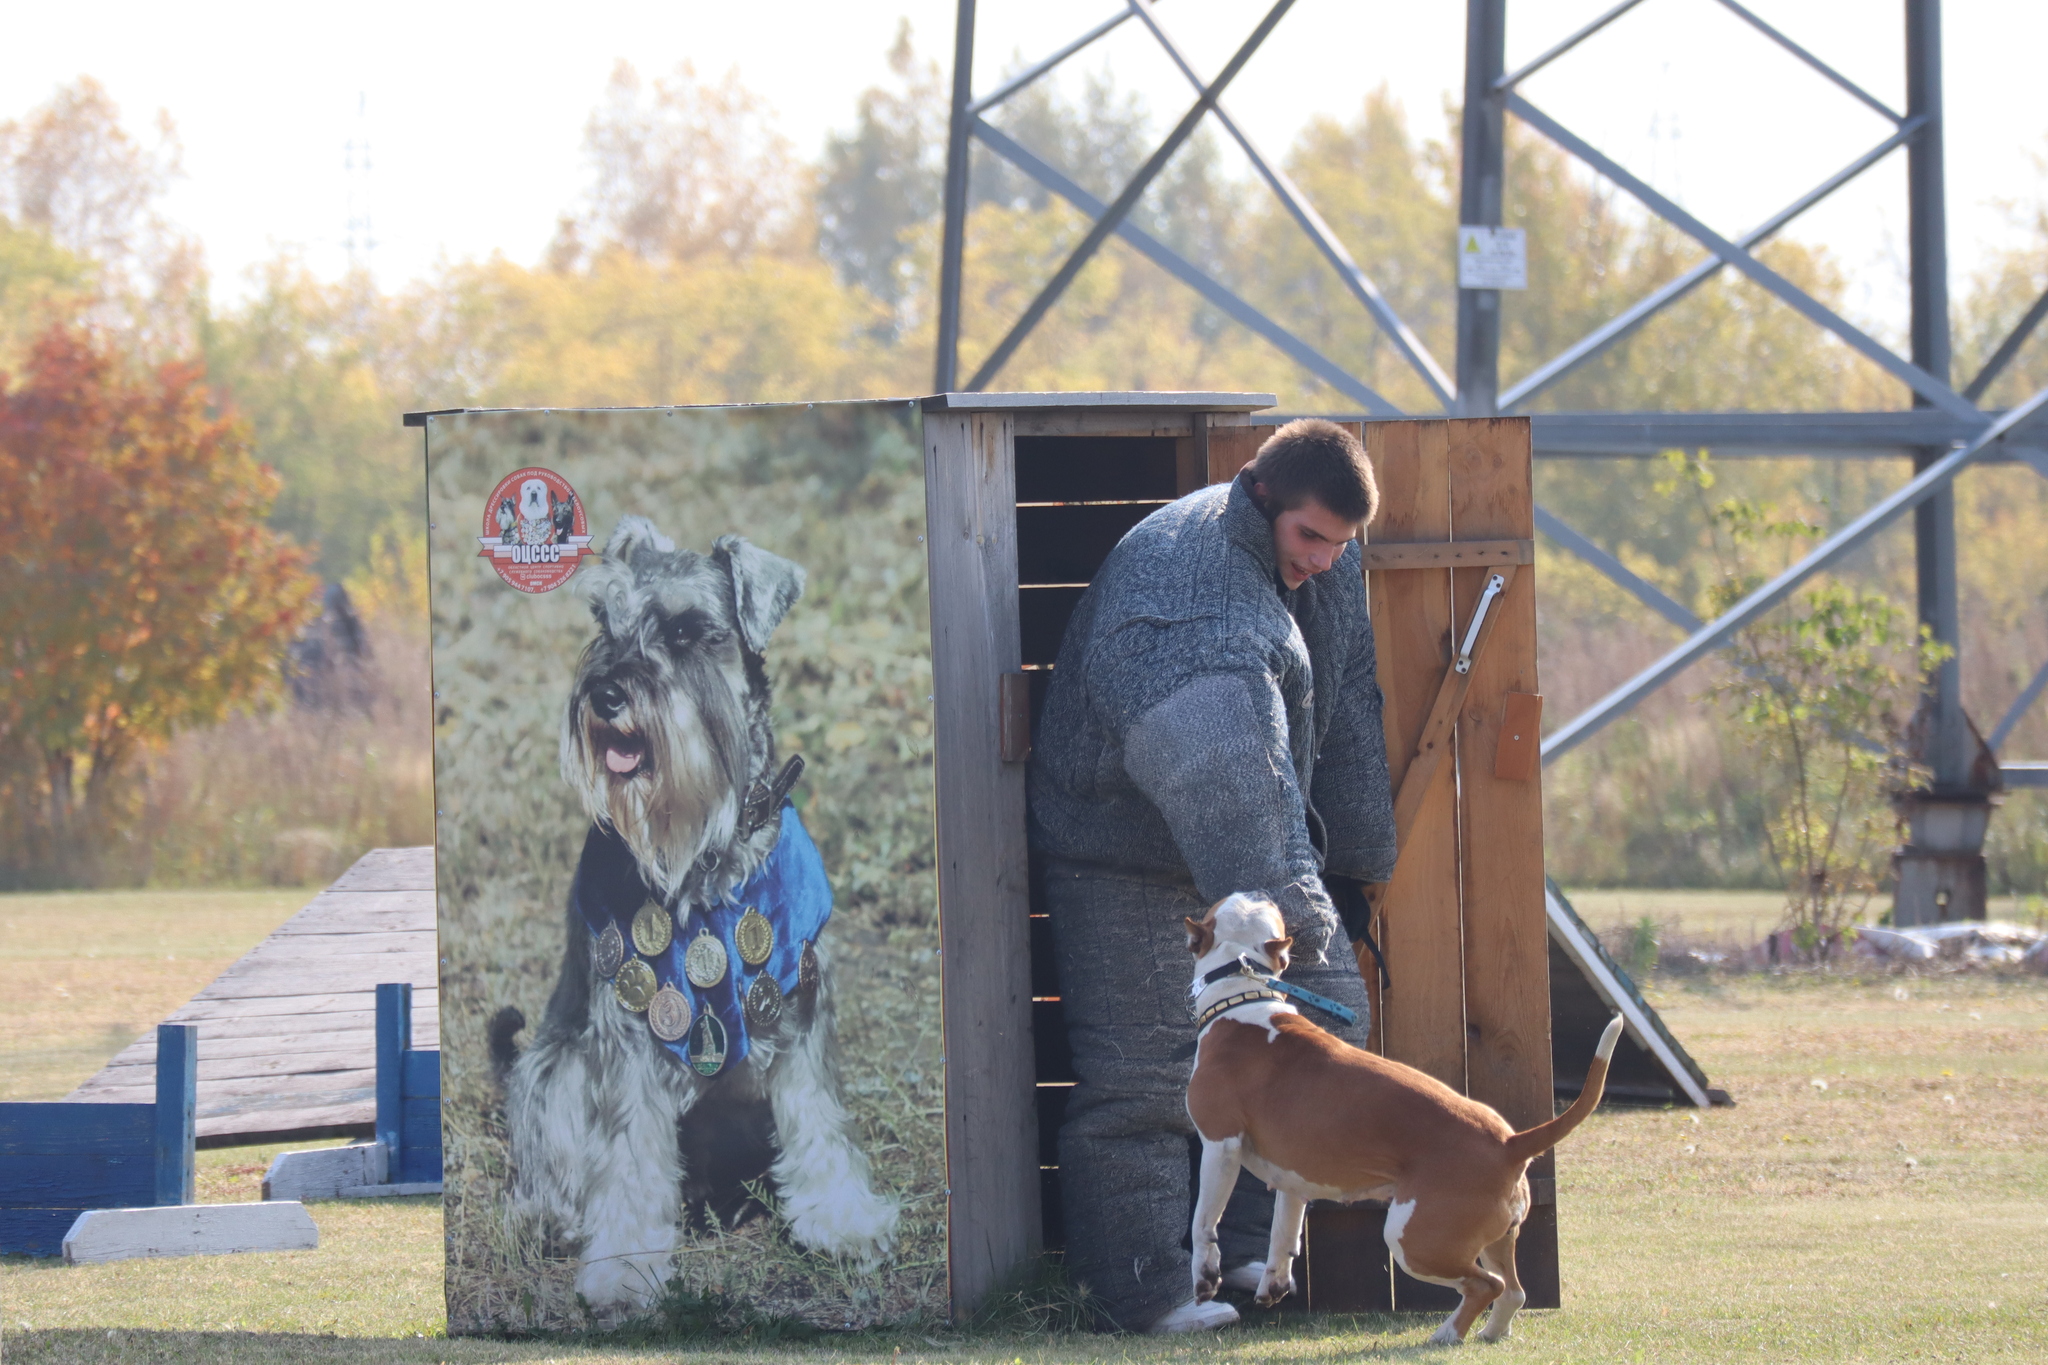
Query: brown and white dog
1316	1118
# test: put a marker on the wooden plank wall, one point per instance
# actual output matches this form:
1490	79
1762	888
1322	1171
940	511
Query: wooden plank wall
991	1135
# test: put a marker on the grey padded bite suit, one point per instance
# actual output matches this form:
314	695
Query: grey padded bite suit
1193	704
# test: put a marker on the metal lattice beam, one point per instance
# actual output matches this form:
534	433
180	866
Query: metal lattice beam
1125	202
1711	636
1616	572
1631	319
1032	73
1920	381
1412	348
1855	91
2007	349
1190	274
2021	704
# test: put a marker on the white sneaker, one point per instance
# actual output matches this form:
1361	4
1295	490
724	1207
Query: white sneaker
1245	1278
1195	1317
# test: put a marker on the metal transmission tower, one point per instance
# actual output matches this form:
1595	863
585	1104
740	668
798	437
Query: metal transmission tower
1942	869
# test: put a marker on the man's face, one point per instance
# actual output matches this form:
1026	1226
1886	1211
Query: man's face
1307	540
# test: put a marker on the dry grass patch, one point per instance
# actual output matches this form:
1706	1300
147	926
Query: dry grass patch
1734	918
85	973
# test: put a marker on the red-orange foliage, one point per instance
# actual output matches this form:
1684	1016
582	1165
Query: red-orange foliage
140	589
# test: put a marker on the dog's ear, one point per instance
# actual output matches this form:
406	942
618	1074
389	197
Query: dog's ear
764	587
1276	952
1201	935
633	535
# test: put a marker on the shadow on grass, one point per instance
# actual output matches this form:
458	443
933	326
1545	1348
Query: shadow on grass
710	1323
124	1346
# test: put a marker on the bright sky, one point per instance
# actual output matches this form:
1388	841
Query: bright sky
474	114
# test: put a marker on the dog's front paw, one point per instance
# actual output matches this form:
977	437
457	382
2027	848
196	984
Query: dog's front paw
615	1287
1447	1335
1272	1289
1206	1267
856	1223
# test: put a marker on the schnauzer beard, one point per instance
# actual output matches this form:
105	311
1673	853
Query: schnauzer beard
685	797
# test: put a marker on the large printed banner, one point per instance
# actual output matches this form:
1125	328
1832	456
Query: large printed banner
690	1011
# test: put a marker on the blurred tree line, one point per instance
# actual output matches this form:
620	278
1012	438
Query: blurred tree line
707	260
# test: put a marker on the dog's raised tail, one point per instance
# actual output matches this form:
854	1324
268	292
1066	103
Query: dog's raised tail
1540	1139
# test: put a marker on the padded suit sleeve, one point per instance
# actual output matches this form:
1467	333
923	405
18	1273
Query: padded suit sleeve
1212	758
1351	788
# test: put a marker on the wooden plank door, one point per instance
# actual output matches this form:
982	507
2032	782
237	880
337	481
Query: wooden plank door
1461	923
1500	822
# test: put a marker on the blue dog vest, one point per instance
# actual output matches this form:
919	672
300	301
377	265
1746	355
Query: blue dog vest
789	889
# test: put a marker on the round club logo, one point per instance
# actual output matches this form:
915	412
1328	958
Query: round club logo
535	530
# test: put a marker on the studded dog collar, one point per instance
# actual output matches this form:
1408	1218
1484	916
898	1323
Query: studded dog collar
1270	987
1231	1002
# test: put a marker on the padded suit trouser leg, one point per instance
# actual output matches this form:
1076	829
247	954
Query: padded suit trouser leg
1124	971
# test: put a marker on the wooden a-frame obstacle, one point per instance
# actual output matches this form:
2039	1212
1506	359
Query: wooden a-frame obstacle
1026	494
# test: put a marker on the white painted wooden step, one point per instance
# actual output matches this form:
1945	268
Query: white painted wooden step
189	1230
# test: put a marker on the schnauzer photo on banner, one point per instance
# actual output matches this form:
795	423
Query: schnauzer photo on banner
690	1006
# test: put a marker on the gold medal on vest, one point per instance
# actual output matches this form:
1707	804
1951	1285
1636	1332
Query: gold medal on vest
704	961
635	985
610	951
754	936
669	1014
764	1003
707	1045
651	932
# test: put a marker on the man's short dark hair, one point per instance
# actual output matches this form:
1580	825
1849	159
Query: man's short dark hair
1312	458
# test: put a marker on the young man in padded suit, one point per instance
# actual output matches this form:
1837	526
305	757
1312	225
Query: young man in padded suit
1213	725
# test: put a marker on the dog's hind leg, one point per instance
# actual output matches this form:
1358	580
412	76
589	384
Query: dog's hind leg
1219	1177
821	1176
1500	1259
1428	1254
1278	1281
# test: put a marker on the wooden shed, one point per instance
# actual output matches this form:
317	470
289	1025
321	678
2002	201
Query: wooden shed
1026	494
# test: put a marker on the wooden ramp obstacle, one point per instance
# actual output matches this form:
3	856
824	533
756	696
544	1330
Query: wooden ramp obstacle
287	1035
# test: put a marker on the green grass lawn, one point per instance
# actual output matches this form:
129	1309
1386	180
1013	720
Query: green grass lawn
1880	1193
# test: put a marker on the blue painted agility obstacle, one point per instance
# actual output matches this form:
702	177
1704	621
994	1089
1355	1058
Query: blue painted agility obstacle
60	1159
408	1092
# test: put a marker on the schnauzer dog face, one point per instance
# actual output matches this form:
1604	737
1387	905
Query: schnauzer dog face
667	725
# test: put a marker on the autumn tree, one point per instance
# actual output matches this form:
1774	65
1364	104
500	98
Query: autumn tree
71	172
682	169
882	180
144	592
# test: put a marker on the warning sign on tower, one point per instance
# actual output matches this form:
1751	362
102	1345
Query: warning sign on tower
1493	258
